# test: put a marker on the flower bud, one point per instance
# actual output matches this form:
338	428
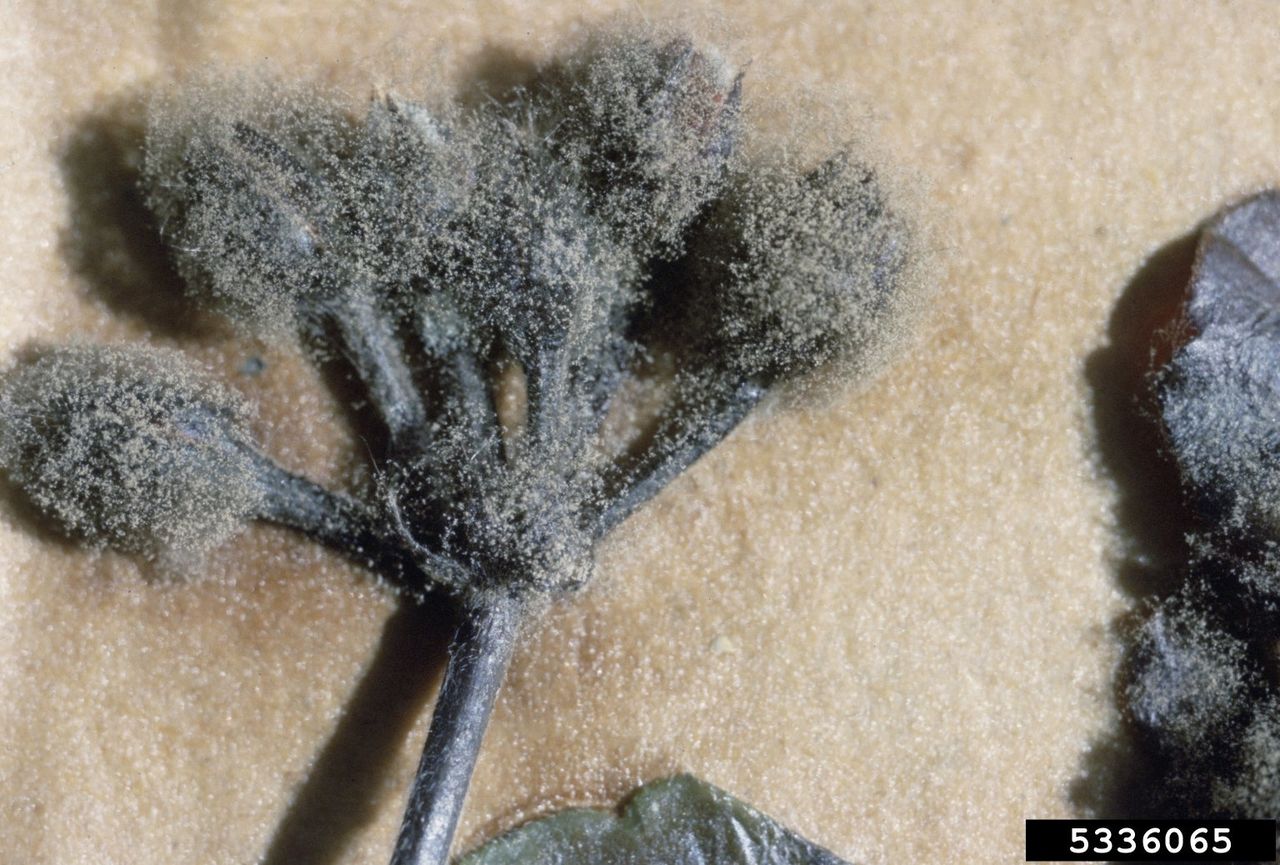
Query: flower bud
524	259
403	183
130	448
653	127
793	270
251	221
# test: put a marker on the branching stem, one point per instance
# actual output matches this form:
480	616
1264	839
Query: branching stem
475	401
340	522
549	405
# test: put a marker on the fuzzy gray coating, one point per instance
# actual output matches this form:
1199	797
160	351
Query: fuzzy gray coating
1220	402
407	176
540	230
128	447
1253	790
654	126
522	259
248	204
516	527
1262	575
1190	679
797	268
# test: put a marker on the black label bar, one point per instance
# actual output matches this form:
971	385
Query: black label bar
1151	840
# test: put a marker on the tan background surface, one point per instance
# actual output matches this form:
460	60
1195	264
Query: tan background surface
884	620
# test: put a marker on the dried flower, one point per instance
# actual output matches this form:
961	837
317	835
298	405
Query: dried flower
550	233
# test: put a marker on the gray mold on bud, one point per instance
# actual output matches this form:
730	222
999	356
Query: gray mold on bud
796	269
523	260
402	185
130	448
246	205
654	126
527	247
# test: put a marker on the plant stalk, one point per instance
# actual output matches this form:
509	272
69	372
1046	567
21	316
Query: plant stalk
475	401
373	349
677	447
478	660
547	376
337	521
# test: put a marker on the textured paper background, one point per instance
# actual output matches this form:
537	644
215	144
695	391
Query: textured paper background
885	620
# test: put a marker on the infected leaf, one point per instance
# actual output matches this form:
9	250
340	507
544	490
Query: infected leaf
676	821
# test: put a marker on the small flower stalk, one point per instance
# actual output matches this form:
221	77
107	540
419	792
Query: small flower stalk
614	210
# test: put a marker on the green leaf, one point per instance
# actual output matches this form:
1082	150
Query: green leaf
676	821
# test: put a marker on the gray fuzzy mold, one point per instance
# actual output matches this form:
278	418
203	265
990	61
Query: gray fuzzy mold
250	204
1220	402
498	276
131	448
1253	789
653	127
801	267
1190	679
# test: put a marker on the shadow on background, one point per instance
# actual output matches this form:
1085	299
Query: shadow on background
111	240
1118	771
347	782
1141	334
495	72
